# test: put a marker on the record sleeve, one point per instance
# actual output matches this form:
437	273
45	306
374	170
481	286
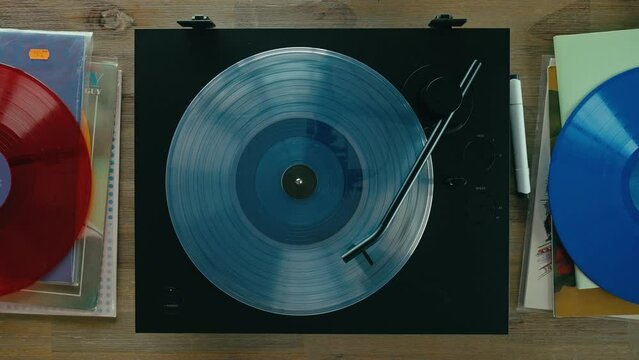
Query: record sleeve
535	289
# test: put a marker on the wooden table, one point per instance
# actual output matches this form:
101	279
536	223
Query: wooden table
532	335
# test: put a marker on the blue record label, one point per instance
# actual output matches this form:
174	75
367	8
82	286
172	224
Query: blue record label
594	185
5	179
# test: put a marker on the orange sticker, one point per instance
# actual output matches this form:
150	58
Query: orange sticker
39	54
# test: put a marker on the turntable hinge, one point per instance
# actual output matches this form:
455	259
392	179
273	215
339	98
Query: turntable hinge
445	21
197	22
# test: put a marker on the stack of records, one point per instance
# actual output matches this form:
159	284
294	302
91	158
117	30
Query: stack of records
59	170
589	160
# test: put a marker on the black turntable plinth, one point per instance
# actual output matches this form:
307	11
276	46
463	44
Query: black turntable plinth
455	281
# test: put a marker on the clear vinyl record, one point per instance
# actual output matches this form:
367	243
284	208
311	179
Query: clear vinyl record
282	163
594	185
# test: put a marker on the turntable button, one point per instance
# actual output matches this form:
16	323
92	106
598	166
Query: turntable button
480	154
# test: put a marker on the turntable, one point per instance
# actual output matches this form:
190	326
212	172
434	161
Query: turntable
274	189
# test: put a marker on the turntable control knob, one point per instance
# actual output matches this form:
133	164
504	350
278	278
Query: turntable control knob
441	96
480	154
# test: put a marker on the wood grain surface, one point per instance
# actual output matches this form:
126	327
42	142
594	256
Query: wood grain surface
532	335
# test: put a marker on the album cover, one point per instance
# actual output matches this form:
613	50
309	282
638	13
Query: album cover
57	58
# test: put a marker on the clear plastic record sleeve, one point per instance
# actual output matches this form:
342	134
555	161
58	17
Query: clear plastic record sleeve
95	294
536	287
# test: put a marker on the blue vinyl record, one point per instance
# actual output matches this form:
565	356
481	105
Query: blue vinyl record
283	162
594	185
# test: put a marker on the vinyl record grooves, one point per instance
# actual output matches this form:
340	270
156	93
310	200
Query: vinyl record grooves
45	180
282	163
594	185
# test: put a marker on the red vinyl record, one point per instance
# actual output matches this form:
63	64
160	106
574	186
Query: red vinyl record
45	180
